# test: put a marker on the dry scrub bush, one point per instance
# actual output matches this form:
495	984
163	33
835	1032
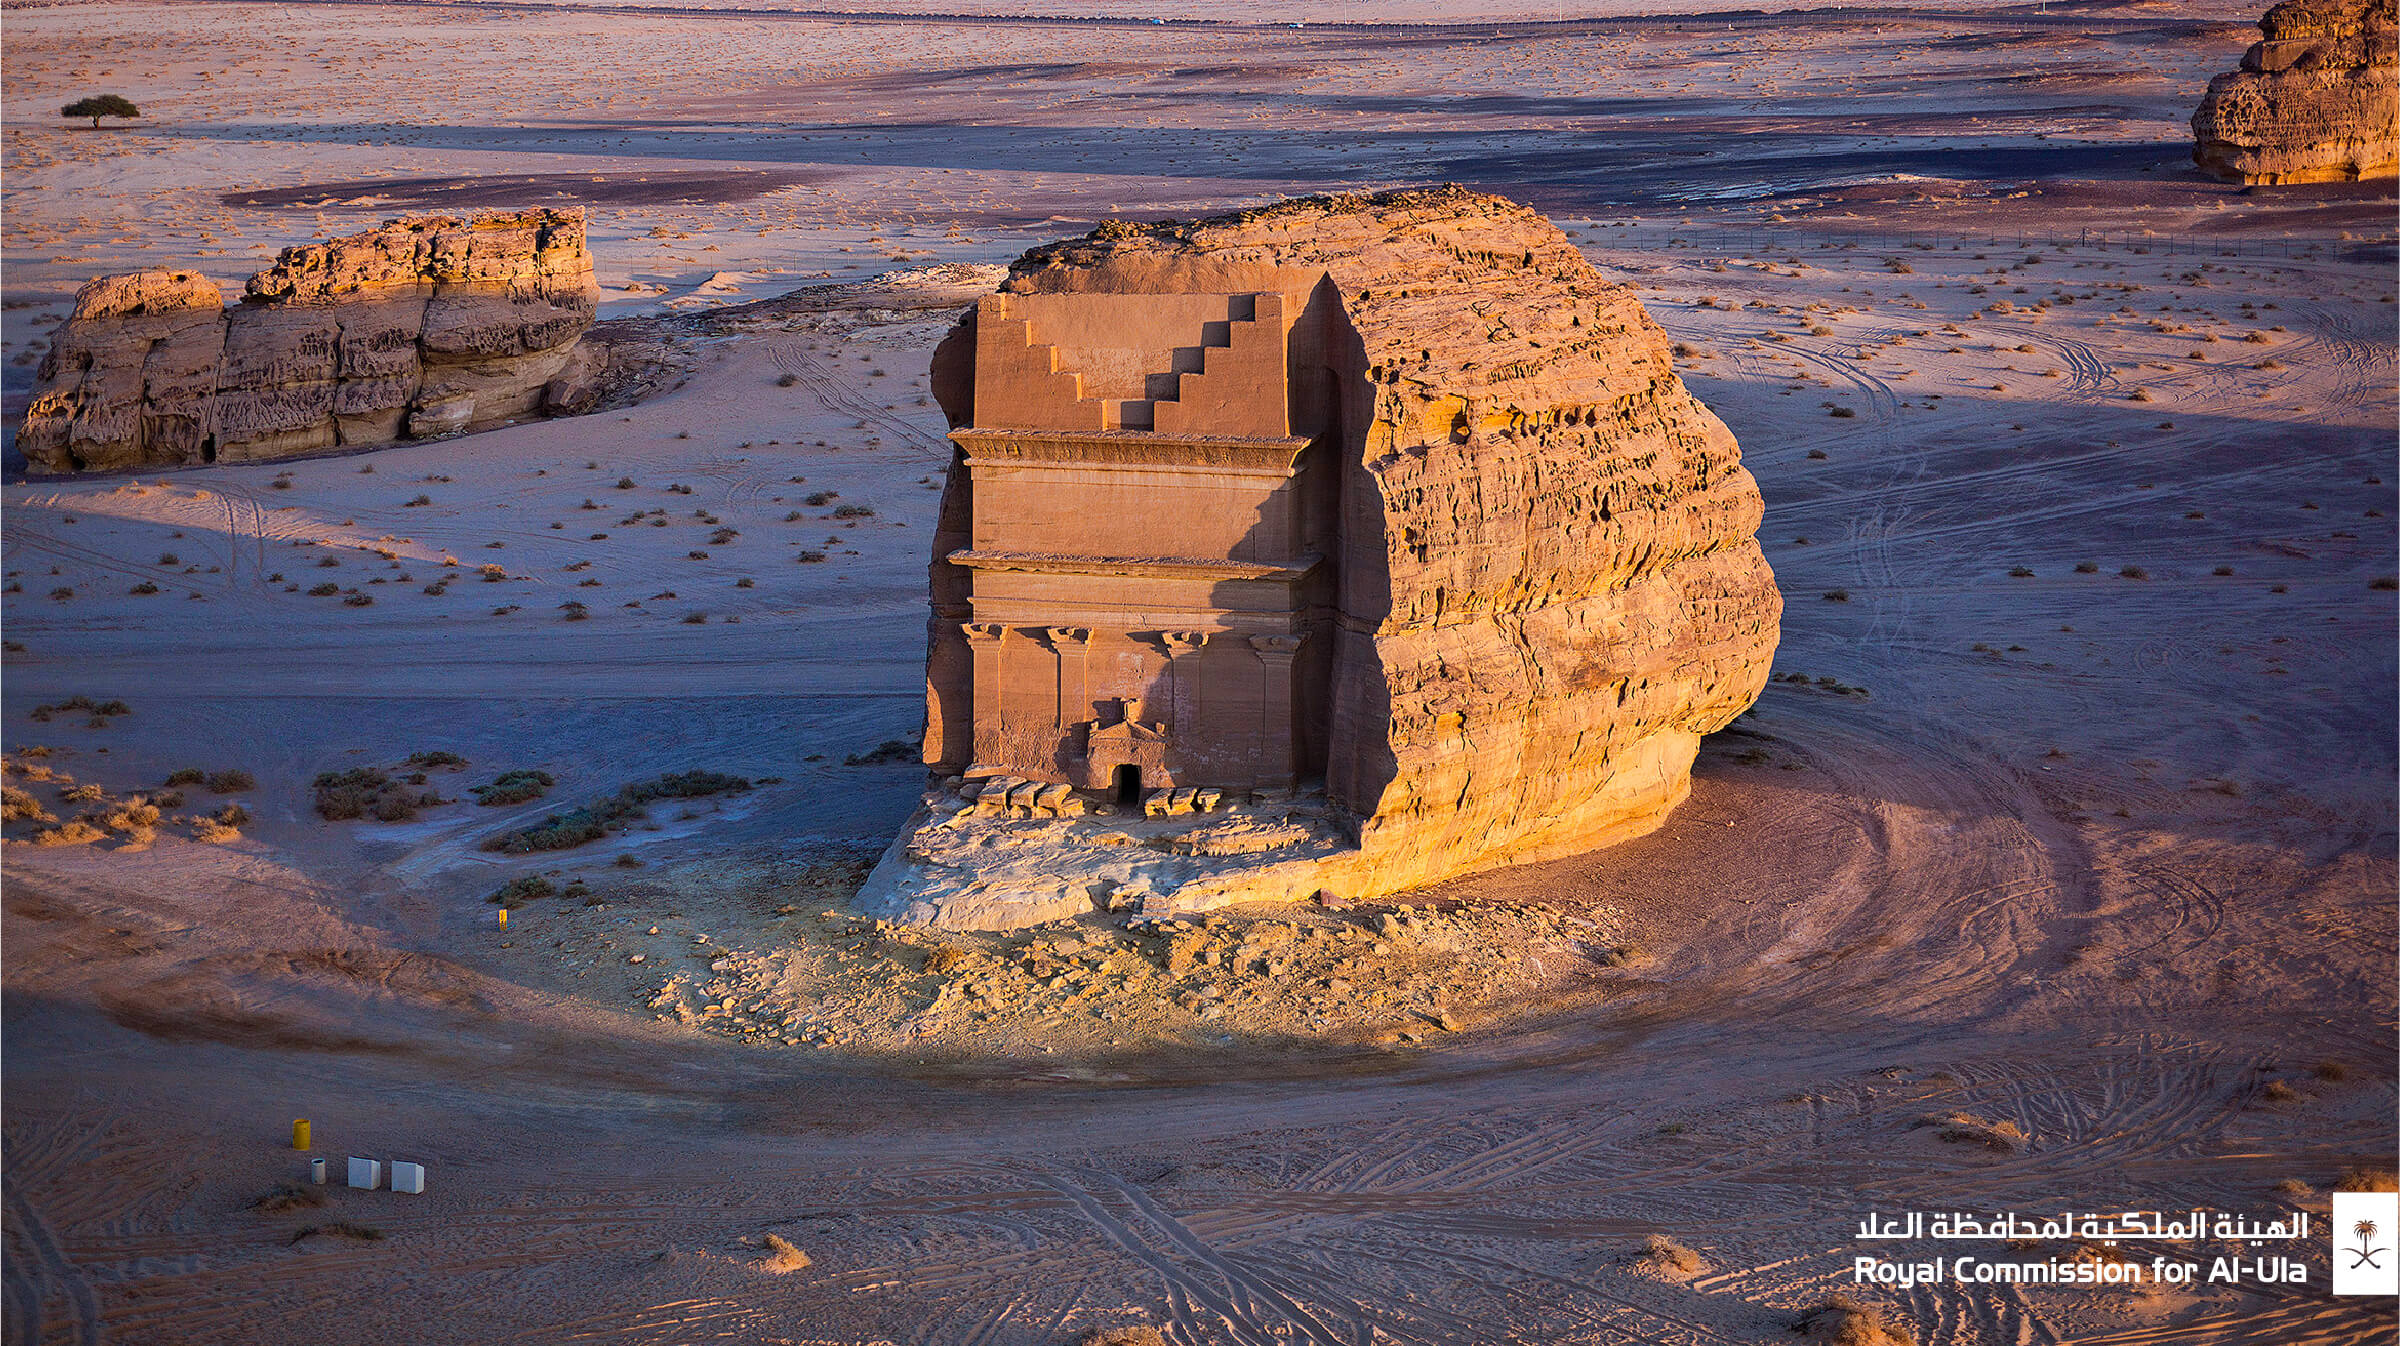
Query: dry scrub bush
513	787
2366	1178
1844	1321
340	1229
19	806
214	833
782	1257
1122	1336
1661	1255
230	782
76	833
1961	1128
562	831
285	1196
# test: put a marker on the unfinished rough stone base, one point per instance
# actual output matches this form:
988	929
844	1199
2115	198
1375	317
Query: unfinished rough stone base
955	867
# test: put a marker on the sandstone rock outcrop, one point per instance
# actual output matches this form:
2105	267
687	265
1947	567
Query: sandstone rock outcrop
1543	584
2315	101
425	326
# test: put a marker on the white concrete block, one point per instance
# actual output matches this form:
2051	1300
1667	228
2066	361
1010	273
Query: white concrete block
408	1177
316	1171
366	1173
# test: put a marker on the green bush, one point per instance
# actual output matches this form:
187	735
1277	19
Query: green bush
513	787
590	822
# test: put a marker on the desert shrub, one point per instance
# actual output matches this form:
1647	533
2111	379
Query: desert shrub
135	815
169	558
145	587
326	590
83	794
787	380
2086	568
232	815
340	1229
1961	1128
590	822
820	498
76	833
19	806
285	1196
1844	413
512	787
517	892
2366	1178
492	574
2134	573
346	794
190	775
1837	595
1844	1321
890	750
1660	1253
213	833
853	512
419	502
231	782
359	600
427	761
782	1256
809	557
168	799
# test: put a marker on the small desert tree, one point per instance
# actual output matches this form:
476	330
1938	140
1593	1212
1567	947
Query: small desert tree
101	105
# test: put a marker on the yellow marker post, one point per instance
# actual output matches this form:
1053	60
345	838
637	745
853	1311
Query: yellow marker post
300	1133
504	918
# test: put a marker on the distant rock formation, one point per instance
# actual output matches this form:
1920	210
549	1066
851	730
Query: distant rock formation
1522	574
426	326
2316	101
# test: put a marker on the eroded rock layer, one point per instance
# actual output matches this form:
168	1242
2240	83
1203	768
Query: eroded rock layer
1546	586
426	326
2315	101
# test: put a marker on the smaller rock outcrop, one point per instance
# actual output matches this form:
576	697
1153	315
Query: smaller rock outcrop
426	326
2315	101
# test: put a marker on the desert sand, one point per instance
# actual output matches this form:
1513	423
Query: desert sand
2068	810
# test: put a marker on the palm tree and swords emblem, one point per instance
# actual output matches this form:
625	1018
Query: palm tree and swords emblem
2365	1254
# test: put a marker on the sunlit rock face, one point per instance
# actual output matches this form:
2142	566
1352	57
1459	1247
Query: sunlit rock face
1501	566
426	326
2315	101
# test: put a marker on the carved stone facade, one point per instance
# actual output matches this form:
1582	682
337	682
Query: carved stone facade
1137	593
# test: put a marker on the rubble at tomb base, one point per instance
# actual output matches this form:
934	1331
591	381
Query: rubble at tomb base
1385	515
2315	101
426	326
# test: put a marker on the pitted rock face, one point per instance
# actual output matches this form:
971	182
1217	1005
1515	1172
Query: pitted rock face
2315	101
1544	584
425	326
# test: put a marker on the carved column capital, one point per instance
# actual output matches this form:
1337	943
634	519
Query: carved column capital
1277	647
983	633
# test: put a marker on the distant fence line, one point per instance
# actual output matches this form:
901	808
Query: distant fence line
1759	239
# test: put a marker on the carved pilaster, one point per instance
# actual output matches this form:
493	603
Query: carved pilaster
1276	753
1183	681
983	642
1071	644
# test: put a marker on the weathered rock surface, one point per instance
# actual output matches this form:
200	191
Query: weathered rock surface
1548	584
2315	101
428	325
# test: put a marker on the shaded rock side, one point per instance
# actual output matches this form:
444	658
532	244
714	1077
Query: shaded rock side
2315	101
428	325
1548	583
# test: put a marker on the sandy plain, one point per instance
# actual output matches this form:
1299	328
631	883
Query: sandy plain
2104	852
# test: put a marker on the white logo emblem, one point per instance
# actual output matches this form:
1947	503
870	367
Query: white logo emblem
2366	1243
